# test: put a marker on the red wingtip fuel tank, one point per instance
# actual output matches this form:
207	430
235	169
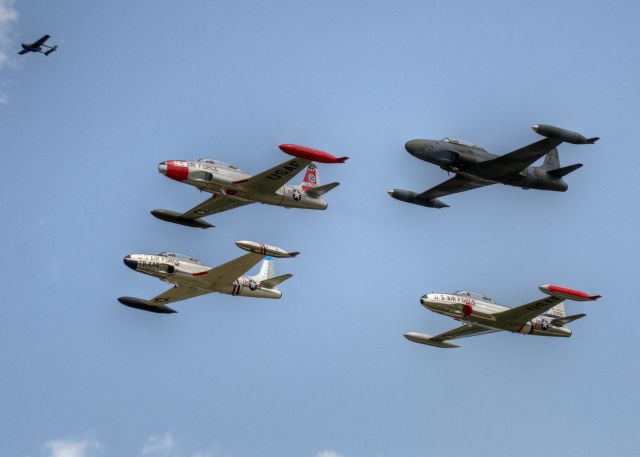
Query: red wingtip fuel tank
570	294
311	154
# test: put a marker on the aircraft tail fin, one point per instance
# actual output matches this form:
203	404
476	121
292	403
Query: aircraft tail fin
551	160
560	172
311	178
557	311
267	270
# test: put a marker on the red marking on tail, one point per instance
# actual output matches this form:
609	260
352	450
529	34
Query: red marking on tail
310	178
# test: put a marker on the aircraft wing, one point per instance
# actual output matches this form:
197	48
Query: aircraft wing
442	340
176	294
218	203
274	178
464	331
226	273
457	184
523	314
40	41
515	161
24	51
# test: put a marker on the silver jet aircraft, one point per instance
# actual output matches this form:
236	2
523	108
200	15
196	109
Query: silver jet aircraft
231	188
191	278
481	315
474	167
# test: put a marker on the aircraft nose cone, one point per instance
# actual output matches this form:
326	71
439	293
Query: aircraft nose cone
128	261
414	146
390	192
162	168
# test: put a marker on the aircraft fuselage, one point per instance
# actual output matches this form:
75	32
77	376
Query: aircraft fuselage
462	160
228	180
477	311
184	272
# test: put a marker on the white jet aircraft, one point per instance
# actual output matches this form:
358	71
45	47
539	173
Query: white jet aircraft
191	278
232	188
481	315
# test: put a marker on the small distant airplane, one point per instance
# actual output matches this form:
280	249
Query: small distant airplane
231	188
474	167
481	315
191	278
37	46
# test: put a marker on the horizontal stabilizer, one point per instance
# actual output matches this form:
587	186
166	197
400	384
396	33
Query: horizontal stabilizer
319	191
560	172
423	338
560	321
273	282
139	303
177	218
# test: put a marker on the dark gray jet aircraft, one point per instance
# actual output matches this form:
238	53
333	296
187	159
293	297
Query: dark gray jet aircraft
474	167
37	46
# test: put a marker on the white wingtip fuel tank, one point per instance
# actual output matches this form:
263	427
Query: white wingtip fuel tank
569	294
264	249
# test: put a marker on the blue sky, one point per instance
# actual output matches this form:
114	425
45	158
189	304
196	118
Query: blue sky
325	371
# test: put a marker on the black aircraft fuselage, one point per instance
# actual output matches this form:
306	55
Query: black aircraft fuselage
463	159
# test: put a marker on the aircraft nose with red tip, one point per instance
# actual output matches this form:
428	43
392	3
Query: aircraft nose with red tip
174	169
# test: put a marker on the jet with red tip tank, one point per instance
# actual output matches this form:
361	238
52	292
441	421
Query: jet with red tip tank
231	188
191	278
474	167
481	315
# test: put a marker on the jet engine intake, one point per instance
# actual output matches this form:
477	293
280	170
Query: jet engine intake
525	329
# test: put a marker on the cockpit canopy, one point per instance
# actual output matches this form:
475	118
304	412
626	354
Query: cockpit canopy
219	164
179	256
474	295
462	143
